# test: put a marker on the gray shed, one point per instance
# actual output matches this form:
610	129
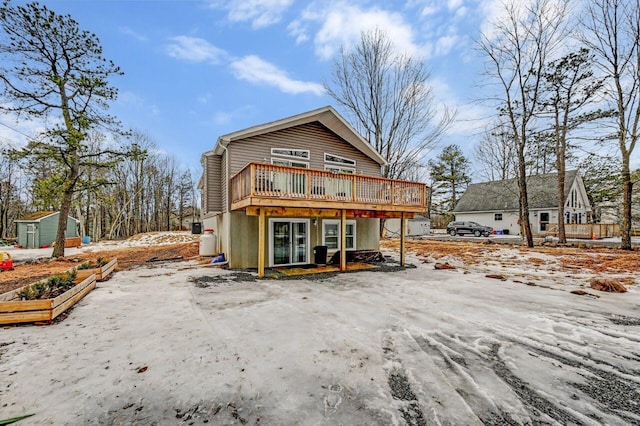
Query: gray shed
39	229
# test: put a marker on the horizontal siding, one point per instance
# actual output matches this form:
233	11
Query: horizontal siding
312	136
48	228
213	184
225	178
72	228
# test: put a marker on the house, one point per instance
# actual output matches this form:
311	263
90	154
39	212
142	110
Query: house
273	192
40	228
418	226
496	204
611	211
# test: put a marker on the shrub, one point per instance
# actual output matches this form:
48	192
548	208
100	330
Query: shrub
51	287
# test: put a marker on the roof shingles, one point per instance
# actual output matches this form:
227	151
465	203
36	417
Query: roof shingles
503	194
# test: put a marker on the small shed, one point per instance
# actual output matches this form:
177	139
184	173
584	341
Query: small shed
40	228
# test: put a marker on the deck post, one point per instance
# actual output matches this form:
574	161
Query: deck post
403	226
261	232
343	241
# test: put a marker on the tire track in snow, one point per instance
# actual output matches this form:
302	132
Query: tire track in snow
441	346
401	389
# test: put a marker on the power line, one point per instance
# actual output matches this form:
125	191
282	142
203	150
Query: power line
15	130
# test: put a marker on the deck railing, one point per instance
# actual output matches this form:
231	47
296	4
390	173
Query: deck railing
272	181
586	230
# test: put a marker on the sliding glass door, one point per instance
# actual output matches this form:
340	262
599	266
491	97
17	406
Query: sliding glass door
289	241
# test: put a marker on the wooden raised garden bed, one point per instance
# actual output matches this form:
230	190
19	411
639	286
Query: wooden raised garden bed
14	310
101	272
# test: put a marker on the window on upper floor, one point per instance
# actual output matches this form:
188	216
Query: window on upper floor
290	163
336	159
302	154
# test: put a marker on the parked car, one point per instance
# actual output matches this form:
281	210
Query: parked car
461	228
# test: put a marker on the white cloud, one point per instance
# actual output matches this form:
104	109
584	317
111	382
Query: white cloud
444	44
340	24
17	131
255	70
261	13
194	49
134	34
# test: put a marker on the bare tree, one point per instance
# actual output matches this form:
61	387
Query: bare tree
388	97
496	153
612	32
517	49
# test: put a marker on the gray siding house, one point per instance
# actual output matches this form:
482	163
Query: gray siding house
39	229
496	204
274	191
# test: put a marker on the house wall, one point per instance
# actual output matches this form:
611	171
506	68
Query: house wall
213	184
509	220
312	136
22	235
243	247
577	203
224	176
47	228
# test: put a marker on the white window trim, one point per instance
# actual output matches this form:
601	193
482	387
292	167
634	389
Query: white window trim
332	168
306	163
337	221
306	151
349	162
272	251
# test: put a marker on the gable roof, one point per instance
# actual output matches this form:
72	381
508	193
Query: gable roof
38	216
327	116
504	194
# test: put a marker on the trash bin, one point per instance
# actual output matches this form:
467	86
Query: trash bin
196	227
505	231
320	255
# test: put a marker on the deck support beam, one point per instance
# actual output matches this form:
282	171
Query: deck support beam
403	227
343	241
261	239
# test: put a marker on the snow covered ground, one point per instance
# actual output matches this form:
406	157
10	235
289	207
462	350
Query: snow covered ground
183	344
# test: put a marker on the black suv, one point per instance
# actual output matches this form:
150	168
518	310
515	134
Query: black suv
460	228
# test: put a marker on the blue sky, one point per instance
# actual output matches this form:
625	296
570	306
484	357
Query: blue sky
195	70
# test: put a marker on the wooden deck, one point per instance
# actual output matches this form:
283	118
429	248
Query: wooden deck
267	185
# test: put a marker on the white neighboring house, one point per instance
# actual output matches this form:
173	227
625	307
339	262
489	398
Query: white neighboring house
496	203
